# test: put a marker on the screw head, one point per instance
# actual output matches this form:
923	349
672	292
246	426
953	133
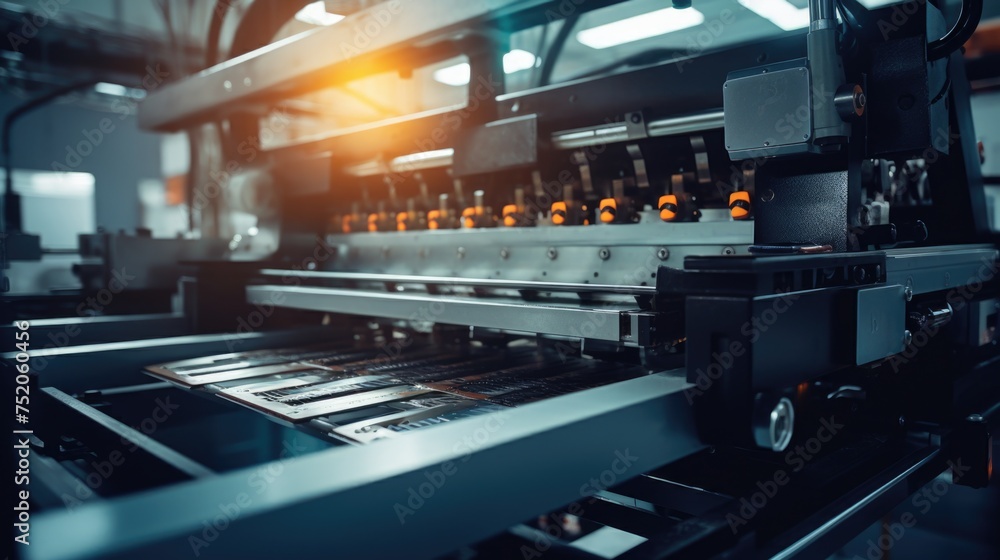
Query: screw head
774	422
460	253
504	253
663	253
728	251
908	293
552	253
907	337
604	253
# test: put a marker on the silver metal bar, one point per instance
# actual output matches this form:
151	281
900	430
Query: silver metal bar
933	269
821	10
455	281
295	65
896	486
590	136
597	323
618	132
686	124
359	494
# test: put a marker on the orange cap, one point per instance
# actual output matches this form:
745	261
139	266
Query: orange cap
372	222
739	205
509	219
668	207
558	213
468	217
609	208
432	219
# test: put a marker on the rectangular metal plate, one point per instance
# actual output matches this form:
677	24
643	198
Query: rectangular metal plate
495	146
881	322
768	112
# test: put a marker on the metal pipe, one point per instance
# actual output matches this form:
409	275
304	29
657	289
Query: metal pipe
821	10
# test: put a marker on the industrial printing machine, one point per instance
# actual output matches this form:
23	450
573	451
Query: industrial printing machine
735	303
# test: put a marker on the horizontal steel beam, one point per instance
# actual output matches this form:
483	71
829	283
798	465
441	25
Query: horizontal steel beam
933	269
371	40
491	283
602	321
346	501
104	328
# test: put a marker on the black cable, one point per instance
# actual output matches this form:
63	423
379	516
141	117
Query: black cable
16	114
968	20
215	30
549	61
10	219
850	18
543	36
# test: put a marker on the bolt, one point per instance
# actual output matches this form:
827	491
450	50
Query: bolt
767	196
907	337
663	253
773	424
908	293
552	253
604	253
636	118
860	275
728	251
504	253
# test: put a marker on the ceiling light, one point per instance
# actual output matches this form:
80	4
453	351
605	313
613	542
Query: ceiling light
779	12
316	14
117	90
458	74
642	26
872	4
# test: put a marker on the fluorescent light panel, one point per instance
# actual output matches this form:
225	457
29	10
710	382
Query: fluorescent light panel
458	75
782	13
316	14
118	90
643	26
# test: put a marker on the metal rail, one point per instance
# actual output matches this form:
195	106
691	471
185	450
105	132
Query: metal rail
606	321
364	42
491	283
356	494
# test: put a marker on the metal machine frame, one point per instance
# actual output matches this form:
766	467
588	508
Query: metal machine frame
659	295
